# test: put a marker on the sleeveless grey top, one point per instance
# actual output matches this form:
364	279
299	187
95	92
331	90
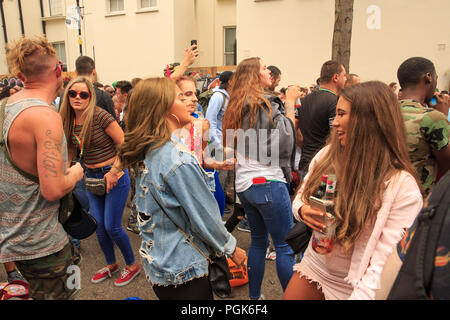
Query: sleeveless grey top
29	226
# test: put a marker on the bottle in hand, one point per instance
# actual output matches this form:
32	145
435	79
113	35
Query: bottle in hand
322	242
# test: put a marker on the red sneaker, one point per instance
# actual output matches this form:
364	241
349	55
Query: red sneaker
126	276
104	273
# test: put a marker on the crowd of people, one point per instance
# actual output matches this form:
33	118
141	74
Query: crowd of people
176	163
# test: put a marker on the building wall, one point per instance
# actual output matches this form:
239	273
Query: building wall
297	36
185	27
131	44
293	35
408	29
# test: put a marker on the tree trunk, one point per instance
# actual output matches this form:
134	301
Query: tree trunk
342	35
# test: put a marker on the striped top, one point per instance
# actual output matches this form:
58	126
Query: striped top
102	146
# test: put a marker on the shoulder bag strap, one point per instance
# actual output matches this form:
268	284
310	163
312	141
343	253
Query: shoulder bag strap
179	229
5	150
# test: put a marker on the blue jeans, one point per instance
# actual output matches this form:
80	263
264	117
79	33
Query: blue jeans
268	210
108	211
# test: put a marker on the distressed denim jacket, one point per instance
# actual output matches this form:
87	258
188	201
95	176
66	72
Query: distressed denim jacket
184	189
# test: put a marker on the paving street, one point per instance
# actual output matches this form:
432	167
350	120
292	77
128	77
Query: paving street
93	260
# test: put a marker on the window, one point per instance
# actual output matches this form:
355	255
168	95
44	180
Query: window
115	6
230	46
60	48
56	8
148	4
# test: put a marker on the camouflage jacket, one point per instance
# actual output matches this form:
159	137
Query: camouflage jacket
426	129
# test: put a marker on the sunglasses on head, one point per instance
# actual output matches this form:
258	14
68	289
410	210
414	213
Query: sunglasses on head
83	94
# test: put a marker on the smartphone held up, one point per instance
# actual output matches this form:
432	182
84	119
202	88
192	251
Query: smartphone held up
194	43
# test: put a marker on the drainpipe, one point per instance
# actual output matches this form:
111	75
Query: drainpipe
44	31
5	34
79	29
22	28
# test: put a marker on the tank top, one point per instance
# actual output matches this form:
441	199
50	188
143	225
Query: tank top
29	226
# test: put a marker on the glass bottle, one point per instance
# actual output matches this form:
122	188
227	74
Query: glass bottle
322	242
320	192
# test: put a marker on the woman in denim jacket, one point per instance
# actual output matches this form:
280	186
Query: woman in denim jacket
171	182
264	165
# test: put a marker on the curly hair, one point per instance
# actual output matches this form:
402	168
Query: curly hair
29	56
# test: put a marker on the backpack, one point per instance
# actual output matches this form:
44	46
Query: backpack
204	97
422	269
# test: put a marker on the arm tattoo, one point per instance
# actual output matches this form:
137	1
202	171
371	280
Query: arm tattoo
51	155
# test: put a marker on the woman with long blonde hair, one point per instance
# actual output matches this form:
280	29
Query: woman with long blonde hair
264	165
178	216
94	135
377	197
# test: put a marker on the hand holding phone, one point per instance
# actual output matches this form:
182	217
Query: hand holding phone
194	43
440	103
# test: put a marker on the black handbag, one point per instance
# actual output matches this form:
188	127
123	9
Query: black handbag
298	238
219	274
78	223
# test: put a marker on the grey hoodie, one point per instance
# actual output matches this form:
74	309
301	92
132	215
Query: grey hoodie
275	141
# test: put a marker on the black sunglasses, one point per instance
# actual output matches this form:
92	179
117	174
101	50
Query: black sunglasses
83	94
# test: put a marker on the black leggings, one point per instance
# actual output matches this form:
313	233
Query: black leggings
197	289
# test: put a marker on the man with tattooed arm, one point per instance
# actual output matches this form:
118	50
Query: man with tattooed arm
30	189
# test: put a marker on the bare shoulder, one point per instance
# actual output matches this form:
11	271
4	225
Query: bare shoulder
41	115
39	121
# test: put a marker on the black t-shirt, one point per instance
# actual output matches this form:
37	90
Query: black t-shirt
315	115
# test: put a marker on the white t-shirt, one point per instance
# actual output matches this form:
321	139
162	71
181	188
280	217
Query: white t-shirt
249	169
298	155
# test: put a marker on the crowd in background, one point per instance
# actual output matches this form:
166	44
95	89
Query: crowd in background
174	162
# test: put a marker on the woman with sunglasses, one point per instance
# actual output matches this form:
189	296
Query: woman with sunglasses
95	134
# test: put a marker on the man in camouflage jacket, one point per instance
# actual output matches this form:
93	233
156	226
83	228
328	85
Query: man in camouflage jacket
427	127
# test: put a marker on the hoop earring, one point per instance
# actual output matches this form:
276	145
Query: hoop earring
176	118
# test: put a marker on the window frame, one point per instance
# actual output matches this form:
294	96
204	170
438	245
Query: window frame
64	61
141	9
50	8
115	12
228	53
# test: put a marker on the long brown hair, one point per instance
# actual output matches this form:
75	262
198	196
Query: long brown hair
147	126
68	115
245	90
374	152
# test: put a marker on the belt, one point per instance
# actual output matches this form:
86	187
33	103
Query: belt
99	170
